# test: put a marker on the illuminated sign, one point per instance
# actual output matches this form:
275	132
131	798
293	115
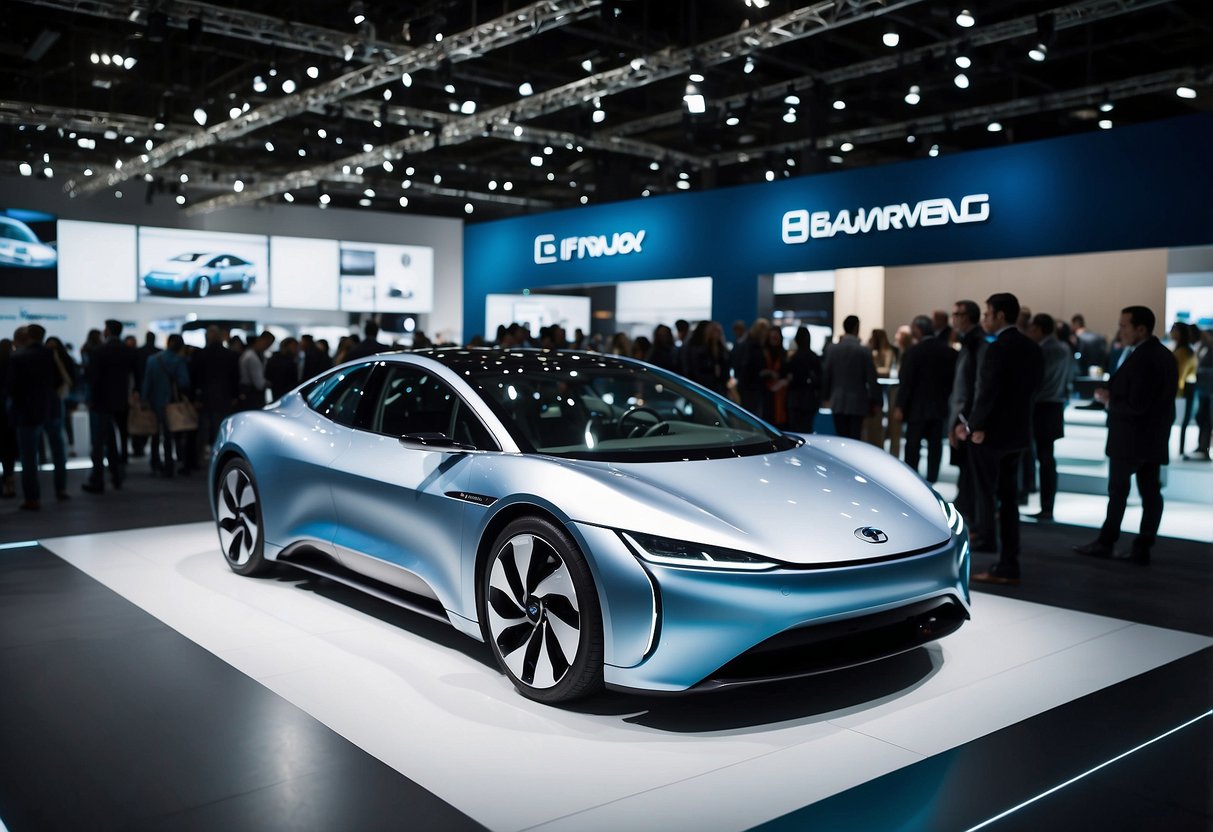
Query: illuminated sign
801	225
549	250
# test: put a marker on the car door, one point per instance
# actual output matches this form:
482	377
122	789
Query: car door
396	498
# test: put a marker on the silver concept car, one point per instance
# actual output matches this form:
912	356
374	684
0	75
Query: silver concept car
596	520
198	273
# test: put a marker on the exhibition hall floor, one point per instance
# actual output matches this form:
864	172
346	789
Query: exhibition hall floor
148	687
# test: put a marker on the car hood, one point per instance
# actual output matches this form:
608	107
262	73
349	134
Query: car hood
803	506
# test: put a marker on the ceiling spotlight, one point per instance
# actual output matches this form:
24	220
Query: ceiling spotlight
269	146
406	79
387	95
965	19
961	80
910	139
758	4
468	107
1105	124
404	202
963	61
180	198
325	199
537	161
1039	52
517	130
790	116
468	208
95	58
748	67
234	112
839	104
914	95
1106	107
200	116
347	52
105	59
846	147
237	186
26	169
696	104
184	178
682	184
358	18
364	202
1185	92
88	171
369	193
288	86
492	184
437	178
587	65
599	116
509	186
934	151
770	176
732	121
288	196
117	59
792	99
388	167
129	63
994	127
302	151
147	145
259	84
547	150
890	38
525	88
313	72
696	77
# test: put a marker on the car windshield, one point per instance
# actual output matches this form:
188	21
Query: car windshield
585	406
189	257
11	230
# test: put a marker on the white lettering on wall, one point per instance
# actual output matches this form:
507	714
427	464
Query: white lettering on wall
548	249
799	226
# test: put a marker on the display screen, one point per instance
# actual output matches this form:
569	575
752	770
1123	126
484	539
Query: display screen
97	261
207	267
29	254
303	273
378	277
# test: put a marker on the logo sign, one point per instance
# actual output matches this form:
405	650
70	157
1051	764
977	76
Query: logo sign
800	226
871	534
548	249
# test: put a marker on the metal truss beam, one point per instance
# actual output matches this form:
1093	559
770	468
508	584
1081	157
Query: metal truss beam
943	123
788	28
1065	17
235	23
510	28
92	122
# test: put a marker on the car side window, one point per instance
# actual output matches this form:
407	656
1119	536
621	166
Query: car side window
339	396
413	400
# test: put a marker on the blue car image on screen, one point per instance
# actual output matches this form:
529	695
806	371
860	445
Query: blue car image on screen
199	273
21	248
597	521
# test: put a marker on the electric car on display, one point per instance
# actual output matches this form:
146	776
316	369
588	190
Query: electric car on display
595	519
20	247
200	273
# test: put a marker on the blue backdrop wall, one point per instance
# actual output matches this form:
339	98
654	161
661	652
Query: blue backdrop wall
1145	186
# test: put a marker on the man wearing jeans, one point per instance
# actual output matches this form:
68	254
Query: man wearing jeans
1141	408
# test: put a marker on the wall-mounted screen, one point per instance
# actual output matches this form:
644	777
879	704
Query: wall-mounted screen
97	261
211	267
377	277
29	256
534	312
303	273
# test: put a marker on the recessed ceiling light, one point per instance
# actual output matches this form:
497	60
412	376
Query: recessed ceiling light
994	126
1105	124
839	104
963	61
961	80
1185	92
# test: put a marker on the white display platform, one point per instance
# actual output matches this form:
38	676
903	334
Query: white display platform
427	701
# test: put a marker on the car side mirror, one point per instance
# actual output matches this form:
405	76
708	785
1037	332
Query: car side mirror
434	442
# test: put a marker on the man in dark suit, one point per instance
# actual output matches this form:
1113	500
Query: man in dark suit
31	384
215	377
1141	408
849	381
999	430
966	319
111	374
923	386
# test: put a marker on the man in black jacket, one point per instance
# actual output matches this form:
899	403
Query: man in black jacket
966	319
31	384
999	429
923	386
111	374
1141	408
215	377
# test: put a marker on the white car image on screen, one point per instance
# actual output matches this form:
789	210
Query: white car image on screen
20	247
198	273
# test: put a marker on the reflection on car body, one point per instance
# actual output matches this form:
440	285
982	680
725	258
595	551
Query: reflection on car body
596	520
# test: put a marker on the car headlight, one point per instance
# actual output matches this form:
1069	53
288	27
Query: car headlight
955	521
664	550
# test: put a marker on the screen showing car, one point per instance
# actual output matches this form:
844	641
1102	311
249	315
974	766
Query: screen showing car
203	267
29	254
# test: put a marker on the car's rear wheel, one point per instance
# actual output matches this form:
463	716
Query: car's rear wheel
203	287
238	518
540	612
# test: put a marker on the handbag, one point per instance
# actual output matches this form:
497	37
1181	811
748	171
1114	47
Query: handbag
180	413
141	420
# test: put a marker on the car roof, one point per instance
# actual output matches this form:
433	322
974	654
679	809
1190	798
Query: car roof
489	359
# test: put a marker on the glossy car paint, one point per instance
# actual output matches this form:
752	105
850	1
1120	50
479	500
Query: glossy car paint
361	496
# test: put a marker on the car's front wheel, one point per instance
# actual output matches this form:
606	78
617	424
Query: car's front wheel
246	283
540	612
238	518
203	287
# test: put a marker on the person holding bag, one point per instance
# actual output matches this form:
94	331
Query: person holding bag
166	374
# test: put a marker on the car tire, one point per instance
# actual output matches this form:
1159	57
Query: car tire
238	519
540	612
203	287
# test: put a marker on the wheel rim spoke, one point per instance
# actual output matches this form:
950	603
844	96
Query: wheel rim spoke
562	642
237	519
558	582
516	564
534	648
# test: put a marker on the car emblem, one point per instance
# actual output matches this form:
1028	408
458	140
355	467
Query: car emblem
871	535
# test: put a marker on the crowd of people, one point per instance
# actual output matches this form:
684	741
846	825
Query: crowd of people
991	383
